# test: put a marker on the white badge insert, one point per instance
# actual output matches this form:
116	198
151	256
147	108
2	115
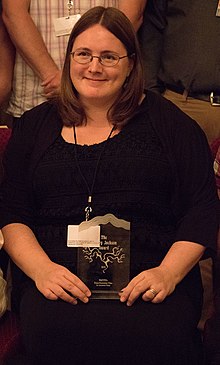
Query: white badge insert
83	235
65	24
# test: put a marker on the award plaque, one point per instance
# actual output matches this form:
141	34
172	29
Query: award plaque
105	269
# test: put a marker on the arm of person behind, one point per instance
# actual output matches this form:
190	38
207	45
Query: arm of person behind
7	53
29	43
134	10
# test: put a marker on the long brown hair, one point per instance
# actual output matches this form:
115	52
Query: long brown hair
71	110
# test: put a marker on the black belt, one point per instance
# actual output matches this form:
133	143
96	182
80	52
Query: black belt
212	97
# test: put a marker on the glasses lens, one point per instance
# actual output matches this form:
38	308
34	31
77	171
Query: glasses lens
81	56
109	59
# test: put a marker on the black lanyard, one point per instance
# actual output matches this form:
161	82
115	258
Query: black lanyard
88	208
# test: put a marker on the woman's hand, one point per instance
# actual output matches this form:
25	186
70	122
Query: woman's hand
154	285
55	281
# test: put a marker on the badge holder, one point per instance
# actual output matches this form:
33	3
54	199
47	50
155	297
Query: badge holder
64	25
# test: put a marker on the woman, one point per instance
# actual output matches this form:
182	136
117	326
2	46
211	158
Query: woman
106	147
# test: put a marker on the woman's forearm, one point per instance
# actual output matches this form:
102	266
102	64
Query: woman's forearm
181	258
162	279
52	280
23	248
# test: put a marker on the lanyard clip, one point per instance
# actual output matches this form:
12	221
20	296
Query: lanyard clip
88	209
69	7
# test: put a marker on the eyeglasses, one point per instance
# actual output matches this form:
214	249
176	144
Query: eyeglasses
107	59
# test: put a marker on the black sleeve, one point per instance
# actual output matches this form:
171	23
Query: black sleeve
197	189
151	41
15	202
195	199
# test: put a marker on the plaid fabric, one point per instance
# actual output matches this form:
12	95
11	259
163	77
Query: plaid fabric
27	90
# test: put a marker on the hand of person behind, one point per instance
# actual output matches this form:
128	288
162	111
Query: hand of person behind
154	285
51	85
56	282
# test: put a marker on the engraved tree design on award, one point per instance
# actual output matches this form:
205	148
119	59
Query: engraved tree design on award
106	258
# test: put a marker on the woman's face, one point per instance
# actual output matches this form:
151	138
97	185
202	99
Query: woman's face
94	82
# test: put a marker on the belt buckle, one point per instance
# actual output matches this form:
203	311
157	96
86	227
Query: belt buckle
214	100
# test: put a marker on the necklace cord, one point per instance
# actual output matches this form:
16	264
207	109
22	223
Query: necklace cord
90	190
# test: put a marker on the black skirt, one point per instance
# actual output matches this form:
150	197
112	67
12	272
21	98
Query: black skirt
108	332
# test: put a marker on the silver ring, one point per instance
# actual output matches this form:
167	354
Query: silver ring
153	291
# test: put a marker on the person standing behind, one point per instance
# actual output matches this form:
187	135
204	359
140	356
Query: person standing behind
7	62
134	10
182	59
40	33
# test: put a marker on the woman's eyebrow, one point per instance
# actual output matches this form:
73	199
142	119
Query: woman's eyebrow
89	50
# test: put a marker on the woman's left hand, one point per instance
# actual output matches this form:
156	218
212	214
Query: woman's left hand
154	285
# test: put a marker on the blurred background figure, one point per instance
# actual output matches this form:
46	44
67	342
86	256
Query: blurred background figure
134	10
6	63
181	57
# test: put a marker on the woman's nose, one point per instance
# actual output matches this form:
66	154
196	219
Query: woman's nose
95	65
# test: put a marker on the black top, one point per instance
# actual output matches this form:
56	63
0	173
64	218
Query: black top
157	173
179	44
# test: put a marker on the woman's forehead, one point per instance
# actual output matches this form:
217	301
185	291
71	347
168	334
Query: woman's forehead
99	37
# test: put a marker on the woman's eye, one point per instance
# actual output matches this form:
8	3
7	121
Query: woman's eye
109	56
83	54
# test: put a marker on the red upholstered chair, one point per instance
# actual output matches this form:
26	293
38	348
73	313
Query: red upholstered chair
5	134
10	337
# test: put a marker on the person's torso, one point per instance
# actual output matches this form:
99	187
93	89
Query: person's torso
191	57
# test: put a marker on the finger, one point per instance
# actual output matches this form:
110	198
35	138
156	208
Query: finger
126	292
137	289
48	80
77	288
149	295
49	295
159	298
135	293
76	292
62	294
51	95
73	279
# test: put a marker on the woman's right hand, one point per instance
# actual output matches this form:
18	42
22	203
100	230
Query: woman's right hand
57	282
